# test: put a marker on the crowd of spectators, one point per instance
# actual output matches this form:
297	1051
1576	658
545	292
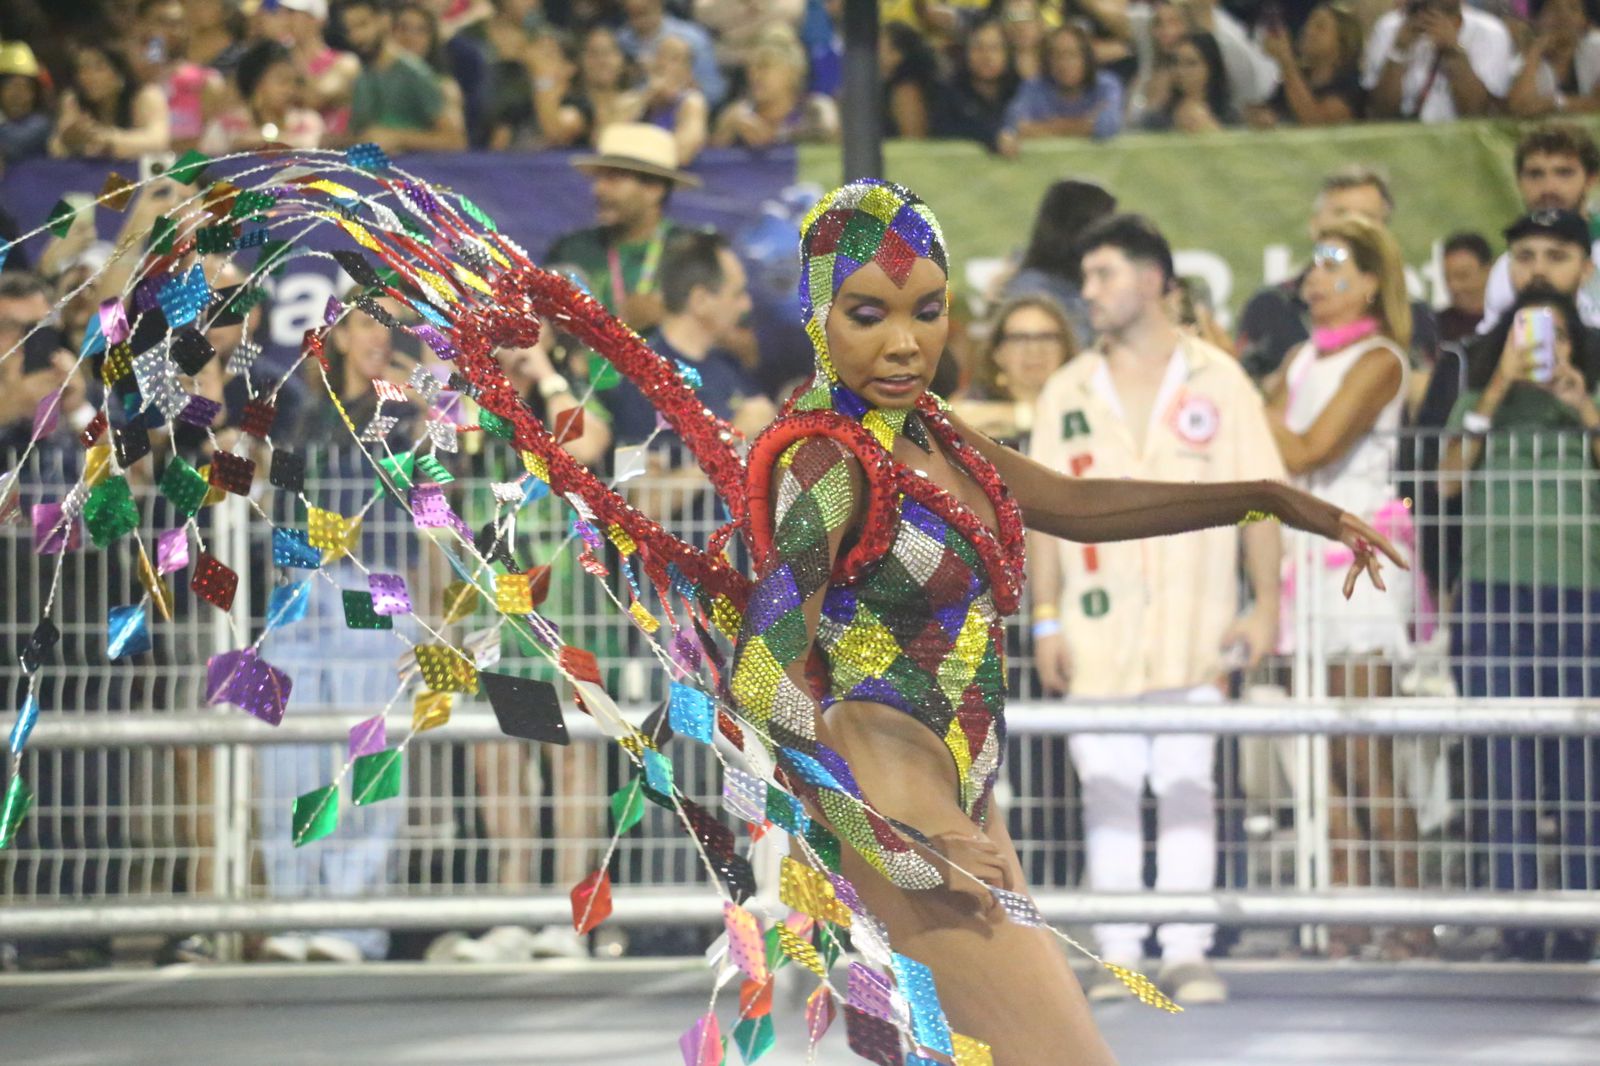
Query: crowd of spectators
413	75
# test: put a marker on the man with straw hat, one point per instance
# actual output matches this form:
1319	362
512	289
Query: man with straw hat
633	173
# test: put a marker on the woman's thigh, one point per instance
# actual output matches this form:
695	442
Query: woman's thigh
1006	984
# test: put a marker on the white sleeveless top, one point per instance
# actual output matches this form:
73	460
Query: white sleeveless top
1362	480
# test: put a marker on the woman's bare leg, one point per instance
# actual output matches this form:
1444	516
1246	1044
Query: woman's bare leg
1008	985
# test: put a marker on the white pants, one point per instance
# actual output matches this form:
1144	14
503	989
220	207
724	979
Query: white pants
1113	769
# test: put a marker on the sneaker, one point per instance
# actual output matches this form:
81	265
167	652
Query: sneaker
333	949
1106	987
285	947
558	942
196	948
1192	984
503	943
442	949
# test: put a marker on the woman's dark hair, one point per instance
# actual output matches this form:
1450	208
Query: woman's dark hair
1216	75
917	63
1067	209
1009	79
434	57
254	64
1483	358
1091	69
123	116
630	71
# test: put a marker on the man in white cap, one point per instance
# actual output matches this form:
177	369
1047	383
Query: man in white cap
633	172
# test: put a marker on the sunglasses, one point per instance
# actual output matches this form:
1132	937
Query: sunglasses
1329	255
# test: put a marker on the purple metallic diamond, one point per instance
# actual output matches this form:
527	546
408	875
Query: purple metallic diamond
245	679
53	533
172	550
368	736
429	510
199	412
870	992
389	595
845	891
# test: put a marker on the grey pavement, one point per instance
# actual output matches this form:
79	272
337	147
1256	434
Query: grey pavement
629	1013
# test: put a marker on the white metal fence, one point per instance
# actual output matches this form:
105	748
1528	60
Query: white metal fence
1424	779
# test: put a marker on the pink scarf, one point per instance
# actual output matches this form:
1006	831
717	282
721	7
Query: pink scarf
1330	339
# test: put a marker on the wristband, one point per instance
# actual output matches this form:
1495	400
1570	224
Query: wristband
1042	611
1476	424
1046	627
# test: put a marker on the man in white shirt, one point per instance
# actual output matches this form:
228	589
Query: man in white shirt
1151	619
1434	61
1557	167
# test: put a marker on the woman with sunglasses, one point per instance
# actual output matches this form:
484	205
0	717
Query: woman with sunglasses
1335	411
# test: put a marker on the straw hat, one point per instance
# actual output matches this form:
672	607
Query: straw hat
639	147
17	58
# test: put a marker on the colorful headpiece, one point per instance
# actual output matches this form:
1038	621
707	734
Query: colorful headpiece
867	221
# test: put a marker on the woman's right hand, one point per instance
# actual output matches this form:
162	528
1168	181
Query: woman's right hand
1516	363
959	854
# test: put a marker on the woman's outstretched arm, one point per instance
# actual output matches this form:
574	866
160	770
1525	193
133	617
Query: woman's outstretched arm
1097	510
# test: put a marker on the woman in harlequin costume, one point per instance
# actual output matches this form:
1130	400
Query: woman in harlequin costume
888	544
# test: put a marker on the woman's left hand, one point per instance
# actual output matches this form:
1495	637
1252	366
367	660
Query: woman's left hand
1366	543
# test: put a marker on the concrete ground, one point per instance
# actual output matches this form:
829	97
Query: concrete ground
630	1012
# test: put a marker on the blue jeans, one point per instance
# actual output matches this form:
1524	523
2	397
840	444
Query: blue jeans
1521	641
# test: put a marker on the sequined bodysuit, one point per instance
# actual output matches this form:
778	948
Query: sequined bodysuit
911	614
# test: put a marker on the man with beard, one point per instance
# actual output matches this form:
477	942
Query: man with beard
396	102
633	174
1557	167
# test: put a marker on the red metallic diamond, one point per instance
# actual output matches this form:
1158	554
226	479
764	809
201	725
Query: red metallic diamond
214	581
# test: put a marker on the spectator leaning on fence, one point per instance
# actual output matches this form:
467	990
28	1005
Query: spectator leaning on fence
1560	63
647	24
971	105
909	71
266	82
416	31
1320	80
1198	100
396	101
775	107
159	59
1557	165
1435	60
1524	467
329	75
673	101
608	82
106	110
1071	98
1150	618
